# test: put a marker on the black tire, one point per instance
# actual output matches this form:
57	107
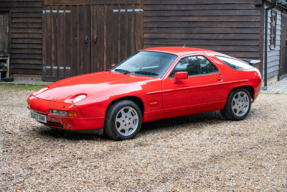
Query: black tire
119	124
238	105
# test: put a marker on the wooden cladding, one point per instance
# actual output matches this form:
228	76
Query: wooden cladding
88	38
90	2
25	33
231	27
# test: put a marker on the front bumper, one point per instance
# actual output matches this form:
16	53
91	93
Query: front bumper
79	123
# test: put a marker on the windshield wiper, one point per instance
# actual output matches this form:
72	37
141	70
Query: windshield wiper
146	72
122	70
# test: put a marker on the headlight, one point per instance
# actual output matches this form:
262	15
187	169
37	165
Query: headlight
63	113
41	90
79	98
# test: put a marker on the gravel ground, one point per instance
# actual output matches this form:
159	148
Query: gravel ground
201	152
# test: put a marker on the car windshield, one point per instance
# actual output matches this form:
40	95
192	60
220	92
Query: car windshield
147	63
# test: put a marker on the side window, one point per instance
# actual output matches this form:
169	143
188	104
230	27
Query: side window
194	65
206	66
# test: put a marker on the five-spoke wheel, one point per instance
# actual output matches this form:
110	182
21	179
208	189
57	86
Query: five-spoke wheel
237	105
123	120
127	121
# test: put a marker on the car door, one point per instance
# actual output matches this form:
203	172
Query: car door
203	87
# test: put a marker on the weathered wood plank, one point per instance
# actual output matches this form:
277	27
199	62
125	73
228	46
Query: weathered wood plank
26	56
21	4
202	30
27	71
26	46
203	24
94	36
75	37
68	42
109	2
200	6
87	61
26	31
27	61
26	20
22	15
26	25
15	1
203	42
26	66
23	10
202	13
32	41
25	36
109	37
194	2
101	37
206	18
202	36
242	54
26	51
67	2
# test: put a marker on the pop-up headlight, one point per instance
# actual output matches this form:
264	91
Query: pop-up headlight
79	98
41	90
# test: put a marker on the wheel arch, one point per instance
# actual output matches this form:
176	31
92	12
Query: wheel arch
135	99
249	88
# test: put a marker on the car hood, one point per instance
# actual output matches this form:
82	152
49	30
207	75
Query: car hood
90	84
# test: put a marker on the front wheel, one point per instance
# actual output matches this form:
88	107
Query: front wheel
237	105
123	120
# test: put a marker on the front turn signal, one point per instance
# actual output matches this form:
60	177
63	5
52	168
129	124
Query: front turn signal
72	114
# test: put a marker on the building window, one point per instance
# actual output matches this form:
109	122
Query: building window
273	29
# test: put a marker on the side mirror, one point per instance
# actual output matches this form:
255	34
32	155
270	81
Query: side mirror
113	65
179	75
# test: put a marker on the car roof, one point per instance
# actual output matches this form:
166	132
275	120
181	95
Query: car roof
177	50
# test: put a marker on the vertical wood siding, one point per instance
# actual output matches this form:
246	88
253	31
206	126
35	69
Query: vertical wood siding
26	35
231	27
273	58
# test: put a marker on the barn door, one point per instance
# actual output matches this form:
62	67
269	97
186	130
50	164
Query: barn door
117	31
89	35
4	32
67	41
283	60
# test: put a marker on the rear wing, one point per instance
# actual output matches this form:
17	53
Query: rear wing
250	61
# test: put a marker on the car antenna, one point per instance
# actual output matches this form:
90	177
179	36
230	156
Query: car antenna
190	37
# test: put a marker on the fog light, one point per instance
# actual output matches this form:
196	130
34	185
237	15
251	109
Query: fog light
58	112
72	114
63	113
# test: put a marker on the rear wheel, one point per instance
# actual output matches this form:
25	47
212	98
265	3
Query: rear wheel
123	120
238	105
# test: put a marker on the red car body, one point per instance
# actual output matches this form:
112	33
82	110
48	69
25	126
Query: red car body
158	98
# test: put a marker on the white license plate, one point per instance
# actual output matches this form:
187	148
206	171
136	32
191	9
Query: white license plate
38	117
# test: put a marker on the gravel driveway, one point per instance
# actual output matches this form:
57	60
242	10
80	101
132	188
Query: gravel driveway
201	152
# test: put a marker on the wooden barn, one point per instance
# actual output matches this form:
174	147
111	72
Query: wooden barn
53	39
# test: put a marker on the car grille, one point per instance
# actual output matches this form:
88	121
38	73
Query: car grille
53	124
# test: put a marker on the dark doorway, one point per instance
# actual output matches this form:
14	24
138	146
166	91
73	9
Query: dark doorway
4	32
283	57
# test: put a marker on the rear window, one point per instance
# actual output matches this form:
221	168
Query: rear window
234	63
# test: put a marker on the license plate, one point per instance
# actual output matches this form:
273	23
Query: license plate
38	117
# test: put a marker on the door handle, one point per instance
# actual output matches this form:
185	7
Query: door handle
219	79
87	38
95	39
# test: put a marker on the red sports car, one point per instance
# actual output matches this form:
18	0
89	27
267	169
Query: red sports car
151	84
